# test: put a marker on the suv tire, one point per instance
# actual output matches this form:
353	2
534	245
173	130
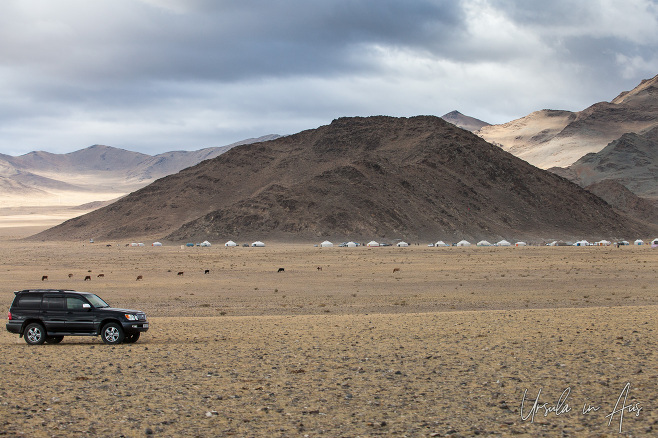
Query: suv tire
54	339
131	339
35	334
112	333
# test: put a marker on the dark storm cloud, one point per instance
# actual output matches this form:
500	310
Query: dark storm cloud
88	50
156	75
226	42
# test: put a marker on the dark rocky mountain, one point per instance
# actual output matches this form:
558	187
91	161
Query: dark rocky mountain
631	160
359	178
624	200
465	122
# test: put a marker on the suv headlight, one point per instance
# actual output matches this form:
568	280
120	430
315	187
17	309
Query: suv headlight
130	317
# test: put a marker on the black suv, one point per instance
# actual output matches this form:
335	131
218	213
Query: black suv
47	315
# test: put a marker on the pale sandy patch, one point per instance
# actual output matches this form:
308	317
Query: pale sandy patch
49	210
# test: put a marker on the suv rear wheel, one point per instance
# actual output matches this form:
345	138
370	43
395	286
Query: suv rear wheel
34	334
112	333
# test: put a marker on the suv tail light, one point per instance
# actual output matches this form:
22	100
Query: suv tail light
9	316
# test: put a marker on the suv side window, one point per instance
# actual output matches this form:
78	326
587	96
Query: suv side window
28	301
53	302
74	303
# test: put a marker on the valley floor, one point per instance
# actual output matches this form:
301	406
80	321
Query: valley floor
50	209
445	346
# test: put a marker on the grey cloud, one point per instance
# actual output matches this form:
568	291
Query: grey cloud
301	38
213	41
543	13
157	74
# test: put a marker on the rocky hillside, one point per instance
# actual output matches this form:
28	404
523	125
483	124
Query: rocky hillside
550	138
624	200
631	160
358	178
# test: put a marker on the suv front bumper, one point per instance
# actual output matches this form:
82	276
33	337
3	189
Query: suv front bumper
135	326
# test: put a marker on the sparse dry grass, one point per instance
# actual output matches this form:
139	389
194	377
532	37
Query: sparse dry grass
444	346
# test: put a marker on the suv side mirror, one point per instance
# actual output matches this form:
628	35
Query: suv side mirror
86	306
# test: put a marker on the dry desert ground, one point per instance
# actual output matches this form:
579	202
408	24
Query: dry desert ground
534	341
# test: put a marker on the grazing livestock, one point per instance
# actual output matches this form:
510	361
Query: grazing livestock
396	270
70	275
87	277
100	275
139	277
207	271
180	273
281	270
44	277
319	268
108	245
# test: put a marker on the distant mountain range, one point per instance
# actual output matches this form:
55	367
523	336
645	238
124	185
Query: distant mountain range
96	169
359	178
550	138
610	148
465	122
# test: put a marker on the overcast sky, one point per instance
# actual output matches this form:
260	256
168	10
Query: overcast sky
160	75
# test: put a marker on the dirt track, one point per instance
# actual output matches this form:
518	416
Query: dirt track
445	346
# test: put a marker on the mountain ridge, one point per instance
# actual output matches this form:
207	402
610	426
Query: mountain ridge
631	160
622	199
38	172
359	178
465	122
558	138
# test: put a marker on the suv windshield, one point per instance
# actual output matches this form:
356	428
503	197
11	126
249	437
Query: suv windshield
96	301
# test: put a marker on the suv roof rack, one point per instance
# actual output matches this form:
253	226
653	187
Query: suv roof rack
43	290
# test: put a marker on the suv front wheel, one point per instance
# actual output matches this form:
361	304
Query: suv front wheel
35	334
112	333
131	339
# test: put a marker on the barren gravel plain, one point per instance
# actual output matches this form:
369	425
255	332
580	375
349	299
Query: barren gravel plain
534	341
